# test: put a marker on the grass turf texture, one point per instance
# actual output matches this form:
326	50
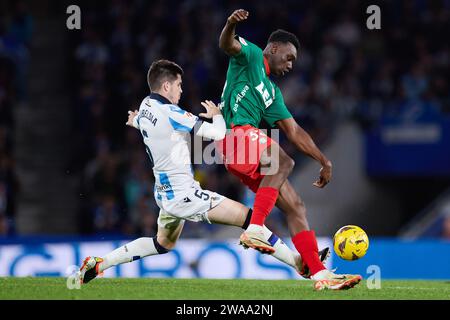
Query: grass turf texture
206	289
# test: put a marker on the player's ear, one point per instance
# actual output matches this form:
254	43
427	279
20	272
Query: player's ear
273	48
166	86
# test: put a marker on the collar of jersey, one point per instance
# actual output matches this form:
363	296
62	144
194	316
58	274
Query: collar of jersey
266	65
159	98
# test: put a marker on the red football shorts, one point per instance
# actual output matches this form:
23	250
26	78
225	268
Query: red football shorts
242	149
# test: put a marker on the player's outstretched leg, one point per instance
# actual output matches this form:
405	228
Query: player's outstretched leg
169	230
134	250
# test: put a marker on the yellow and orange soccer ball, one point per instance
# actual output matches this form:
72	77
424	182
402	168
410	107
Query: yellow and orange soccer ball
351	242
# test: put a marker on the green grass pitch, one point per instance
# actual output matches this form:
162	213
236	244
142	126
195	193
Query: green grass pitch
31	288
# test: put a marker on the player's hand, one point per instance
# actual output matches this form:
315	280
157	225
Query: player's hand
238	16
325	175
131	116
211	109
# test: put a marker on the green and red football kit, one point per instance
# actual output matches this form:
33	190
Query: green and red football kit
250	96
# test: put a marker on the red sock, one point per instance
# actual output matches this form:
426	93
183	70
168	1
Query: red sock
306	244
264	202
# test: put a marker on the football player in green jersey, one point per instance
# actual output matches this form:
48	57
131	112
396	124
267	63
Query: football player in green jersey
249	96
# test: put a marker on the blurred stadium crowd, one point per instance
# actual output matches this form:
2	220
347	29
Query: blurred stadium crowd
344	71
15	37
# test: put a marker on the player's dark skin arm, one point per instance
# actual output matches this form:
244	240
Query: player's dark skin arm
303	142
227	42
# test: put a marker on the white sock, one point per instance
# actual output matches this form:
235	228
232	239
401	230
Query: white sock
282	251
324	274
129	252
254	228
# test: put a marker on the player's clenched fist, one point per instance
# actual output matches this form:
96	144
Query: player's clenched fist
238	16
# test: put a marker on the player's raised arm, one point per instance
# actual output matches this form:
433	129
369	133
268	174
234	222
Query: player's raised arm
227	42
303	141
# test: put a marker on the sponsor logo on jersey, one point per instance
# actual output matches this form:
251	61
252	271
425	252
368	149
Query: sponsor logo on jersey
265	94
164	188
240	96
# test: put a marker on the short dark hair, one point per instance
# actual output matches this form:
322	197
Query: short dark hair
284	36
161	71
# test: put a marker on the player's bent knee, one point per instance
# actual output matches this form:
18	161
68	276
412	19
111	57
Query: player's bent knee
163	245
291	164
287	165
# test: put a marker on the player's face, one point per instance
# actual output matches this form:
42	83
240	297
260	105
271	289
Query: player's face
282	58
175	90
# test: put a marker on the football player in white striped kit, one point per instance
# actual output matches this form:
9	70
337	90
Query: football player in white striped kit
165	128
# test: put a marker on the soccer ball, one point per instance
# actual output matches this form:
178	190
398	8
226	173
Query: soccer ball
350	242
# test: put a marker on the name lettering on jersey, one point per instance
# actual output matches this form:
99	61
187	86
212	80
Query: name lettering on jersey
240	96
148	115
265	94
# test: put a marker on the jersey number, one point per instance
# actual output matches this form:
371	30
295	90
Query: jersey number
254	135
200	195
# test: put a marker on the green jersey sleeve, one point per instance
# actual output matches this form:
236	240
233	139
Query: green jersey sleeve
277	110
249	52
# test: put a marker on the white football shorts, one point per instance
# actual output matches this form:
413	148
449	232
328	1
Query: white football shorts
194	206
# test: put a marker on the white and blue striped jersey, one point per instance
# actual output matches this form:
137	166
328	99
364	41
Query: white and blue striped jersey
166	128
